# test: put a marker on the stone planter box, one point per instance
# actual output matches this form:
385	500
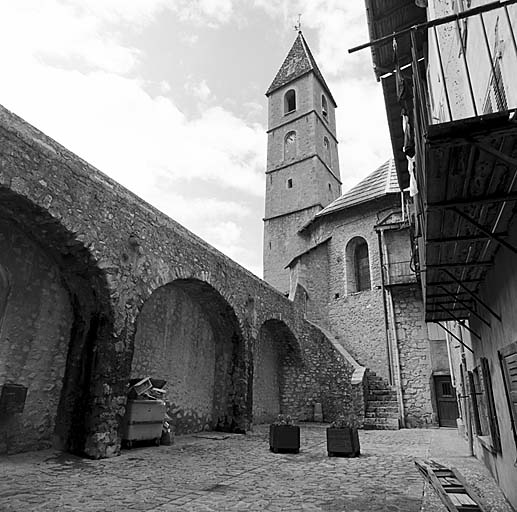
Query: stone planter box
284	438
343	442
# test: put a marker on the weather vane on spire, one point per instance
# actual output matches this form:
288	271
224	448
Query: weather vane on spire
298	26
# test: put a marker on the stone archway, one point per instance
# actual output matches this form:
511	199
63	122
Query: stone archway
188	335
277	359
50	327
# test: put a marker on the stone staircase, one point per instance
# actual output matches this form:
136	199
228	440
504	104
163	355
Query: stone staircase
382	410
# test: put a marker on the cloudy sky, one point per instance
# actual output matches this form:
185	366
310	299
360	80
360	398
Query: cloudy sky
167	96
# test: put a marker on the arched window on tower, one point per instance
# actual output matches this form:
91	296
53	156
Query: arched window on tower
290	101
326	152
357	266
324	108
290	146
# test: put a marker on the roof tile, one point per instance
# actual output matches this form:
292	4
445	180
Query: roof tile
379	183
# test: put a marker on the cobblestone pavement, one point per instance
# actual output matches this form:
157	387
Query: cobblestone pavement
217	472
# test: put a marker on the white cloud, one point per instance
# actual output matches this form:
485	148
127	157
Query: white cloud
361	118
362	128
69	77
199	90
209	12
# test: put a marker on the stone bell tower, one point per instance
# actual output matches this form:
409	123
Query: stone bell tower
302	174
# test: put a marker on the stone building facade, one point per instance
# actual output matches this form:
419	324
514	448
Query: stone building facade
463	105
350	254
98	287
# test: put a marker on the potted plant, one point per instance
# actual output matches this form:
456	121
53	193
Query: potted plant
284	435
343	438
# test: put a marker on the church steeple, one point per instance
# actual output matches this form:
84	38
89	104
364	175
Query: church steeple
298	62
302	160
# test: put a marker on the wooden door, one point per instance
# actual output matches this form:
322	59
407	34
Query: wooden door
446	401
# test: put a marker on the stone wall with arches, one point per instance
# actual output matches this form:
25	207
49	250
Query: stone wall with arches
126	272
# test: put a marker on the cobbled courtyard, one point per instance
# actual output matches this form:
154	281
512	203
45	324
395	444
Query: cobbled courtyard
217	472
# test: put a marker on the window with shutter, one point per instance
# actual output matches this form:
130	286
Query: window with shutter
475	406
493	424
508	360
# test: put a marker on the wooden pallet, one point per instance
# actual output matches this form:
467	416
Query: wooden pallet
456	494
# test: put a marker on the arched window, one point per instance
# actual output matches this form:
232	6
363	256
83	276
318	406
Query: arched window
289	101
324	108
290	145
326	152
357	266
362	266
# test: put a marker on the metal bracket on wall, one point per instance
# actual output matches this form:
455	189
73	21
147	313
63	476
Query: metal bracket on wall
454	336
465	305
484	230
461	322
471	293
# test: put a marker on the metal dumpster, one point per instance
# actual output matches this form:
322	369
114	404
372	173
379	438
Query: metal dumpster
143	421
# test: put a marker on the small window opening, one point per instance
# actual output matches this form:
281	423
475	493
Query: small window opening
289	183
330	187
324	108
289	101
269	245
290	146
326	152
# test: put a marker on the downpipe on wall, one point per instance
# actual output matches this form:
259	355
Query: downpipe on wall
393	350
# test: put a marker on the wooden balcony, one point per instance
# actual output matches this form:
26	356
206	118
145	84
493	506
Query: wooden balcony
399	273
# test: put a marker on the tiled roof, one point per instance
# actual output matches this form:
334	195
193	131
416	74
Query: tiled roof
380	182
298	62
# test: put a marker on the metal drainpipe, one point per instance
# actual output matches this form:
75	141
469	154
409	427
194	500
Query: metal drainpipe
386	325
394	347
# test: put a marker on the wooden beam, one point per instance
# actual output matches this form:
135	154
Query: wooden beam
491	198
440	283
512	162
439	295
464	238
461	264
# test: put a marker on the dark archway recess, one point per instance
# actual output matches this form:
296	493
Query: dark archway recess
189	335
92	317
277	364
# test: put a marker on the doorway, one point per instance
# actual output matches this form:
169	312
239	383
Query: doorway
446	401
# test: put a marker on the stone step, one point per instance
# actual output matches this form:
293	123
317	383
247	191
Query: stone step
382	392
381	424
370	404
380	427
384	409
376	415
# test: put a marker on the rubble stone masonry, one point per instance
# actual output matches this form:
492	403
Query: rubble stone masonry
114	252
415	356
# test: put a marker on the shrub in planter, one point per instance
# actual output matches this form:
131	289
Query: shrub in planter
343	438
284	435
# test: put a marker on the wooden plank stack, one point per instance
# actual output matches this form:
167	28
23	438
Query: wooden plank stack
456	494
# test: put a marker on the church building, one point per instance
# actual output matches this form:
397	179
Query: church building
349	255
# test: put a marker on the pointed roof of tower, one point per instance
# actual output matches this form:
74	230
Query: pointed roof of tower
298	62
